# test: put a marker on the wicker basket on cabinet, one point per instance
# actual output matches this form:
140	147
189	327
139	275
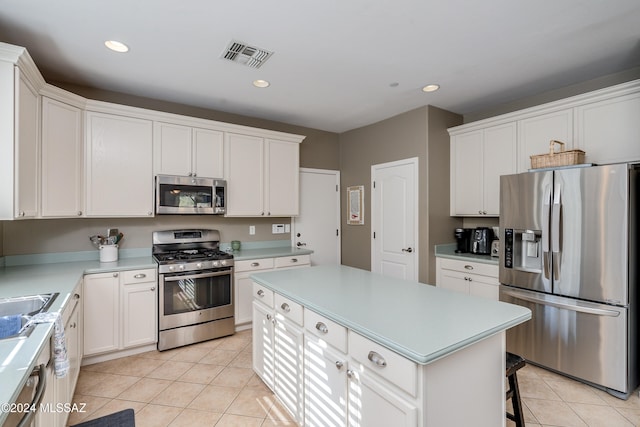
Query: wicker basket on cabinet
557	158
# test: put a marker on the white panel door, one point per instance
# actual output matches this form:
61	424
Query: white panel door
318	226
394	219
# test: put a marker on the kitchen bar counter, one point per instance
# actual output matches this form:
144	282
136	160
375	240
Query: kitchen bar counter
18	355
421	322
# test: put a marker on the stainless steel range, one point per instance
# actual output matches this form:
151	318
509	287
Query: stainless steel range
195	280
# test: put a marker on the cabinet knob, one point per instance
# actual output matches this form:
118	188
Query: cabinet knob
255	264
285	307
115	274
149	213
260	293
339	364
76	296
152	289
140	276
294	260
322	327
79	213
262	213
73	325
468	267
21	213
269	317
350	373
377	359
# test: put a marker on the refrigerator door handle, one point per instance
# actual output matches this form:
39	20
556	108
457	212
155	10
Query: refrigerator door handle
546	210
583	308
556	213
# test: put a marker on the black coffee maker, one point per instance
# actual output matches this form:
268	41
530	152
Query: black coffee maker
463	239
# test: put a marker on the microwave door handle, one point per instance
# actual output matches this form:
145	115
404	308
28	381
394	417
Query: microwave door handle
556	213
546	211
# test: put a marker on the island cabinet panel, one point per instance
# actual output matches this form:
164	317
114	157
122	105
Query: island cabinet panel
263	343
289	374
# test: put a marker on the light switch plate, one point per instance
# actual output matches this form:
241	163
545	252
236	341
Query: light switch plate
252	230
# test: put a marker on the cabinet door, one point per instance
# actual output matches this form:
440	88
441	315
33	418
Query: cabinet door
207	153
608	130
119	166
172	149
244	172
27	153
535	133
499	158
263	345
243	298
101	313
373	404
485	287
283	177
140	314
62	154
325	384
466	174
289	376
454	281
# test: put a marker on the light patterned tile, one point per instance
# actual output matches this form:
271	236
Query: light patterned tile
195	418
144	390
252	403
88	405
575	392
116	405
102	384
201	373
633	415
156	416
219	357
536	388
214	398
170	370
600	415
178	394
190	354
555	413
233	377
229	420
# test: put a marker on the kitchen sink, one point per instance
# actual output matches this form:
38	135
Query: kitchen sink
25	307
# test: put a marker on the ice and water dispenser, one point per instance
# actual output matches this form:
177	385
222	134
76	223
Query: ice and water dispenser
523	249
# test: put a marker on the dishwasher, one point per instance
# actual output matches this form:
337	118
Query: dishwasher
24	408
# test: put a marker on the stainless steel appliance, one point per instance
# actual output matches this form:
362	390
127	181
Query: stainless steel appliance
481	239
195	283
190	195
569	253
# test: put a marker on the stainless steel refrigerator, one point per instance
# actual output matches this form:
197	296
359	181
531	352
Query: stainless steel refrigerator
569	253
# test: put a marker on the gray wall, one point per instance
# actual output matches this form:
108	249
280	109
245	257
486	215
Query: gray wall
418	133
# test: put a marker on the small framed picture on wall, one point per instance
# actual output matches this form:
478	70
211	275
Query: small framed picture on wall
355	202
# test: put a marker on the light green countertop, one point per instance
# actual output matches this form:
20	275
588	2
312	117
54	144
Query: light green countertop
18	356
449	251
246	254
421	322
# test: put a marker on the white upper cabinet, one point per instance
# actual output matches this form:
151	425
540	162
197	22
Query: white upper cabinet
62	159
534	134
478	158
188	151
119	166
609	130
262	176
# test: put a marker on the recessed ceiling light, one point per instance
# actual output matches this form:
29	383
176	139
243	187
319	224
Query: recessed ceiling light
430	88
116	46
261	83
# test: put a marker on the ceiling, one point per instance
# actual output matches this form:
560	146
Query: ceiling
337	65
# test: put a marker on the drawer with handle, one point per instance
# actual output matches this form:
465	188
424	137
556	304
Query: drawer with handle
253	264
139	276
289	309
384	362
262	294
334	334
293	261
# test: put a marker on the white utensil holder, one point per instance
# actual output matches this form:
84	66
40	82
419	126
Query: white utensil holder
108	253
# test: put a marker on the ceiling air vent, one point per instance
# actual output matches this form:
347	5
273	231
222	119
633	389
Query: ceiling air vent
244	54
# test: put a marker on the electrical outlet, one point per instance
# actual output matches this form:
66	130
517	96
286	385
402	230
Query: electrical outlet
252	230
287	228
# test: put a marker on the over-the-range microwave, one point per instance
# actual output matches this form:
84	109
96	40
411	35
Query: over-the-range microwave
190	195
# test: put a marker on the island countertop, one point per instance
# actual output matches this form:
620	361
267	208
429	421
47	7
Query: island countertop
421	322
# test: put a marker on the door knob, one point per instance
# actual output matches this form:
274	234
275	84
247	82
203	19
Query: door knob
407	250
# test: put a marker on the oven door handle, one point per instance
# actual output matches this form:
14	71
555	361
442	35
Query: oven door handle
196	276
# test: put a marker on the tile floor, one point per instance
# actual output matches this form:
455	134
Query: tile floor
213	384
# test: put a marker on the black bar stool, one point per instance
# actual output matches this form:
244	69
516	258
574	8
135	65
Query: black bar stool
514	362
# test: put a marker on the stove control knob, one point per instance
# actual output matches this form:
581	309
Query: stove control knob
199	265
171	268
181	267
223	262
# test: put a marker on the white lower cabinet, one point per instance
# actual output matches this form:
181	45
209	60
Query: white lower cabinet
242	282
470	278
120	310
278	348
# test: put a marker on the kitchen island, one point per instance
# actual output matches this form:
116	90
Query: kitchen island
337	343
